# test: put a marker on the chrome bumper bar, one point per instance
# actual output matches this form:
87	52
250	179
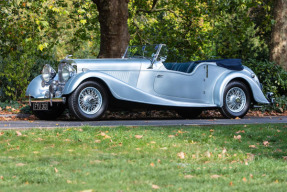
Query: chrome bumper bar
270	97
31	100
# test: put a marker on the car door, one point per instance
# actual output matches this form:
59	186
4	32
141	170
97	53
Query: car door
181	85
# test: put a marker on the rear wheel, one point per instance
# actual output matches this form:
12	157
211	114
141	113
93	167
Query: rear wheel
89	101
236	100
53	113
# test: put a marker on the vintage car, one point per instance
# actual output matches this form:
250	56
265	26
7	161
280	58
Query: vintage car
87	87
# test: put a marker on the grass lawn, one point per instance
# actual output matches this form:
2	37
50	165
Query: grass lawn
183	158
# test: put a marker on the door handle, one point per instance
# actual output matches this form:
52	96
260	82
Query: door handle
159	76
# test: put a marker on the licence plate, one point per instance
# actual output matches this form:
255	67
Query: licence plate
40	106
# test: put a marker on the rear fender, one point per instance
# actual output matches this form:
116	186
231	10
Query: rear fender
228	77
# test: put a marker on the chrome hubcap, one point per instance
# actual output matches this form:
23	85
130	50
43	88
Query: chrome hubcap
90	100
235	99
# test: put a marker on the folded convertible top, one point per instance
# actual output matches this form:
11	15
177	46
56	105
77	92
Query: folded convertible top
232	64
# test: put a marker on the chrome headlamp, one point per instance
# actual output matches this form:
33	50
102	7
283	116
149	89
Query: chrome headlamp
66	71
48	73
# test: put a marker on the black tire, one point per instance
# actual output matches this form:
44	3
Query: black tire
189	113
92	95
236	100
53	113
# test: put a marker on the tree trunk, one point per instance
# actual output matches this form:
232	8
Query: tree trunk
113	18
278	45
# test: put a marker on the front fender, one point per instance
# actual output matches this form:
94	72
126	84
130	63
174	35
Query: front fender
35	88
228	77
119	89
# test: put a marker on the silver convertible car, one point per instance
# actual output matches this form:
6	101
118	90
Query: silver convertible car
88	87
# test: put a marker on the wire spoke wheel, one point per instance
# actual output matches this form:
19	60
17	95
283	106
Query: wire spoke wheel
236	99
90	100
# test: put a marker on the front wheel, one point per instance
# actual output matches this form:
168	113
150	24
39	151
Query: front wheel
89	101
236	100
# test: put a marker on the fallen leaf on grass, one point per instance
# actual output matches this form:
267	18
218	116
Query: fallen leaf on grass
105	135
95	161
138	136
1	133
1	177
69	181
279	150
155	186
238	137
171	136
56	170
230	183
164	148
20	164
215	176
88	190
97	141
240	131
285	158
244	179
276	181
208	154
181	155
39	139
188	176
151	164
252	146
211	130
18	133
266	143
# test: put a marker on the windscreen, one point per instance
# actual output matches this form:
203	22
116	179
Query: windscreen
145	51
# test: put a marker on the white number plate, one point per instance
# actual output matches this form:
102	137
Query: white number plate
40	106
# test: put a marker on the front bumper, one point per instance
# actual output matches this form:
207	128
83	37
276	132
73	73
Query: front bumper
31	100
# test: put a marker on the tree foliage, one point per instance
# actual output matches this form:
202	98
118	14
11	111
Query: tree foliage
203	29
37	32
44	31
